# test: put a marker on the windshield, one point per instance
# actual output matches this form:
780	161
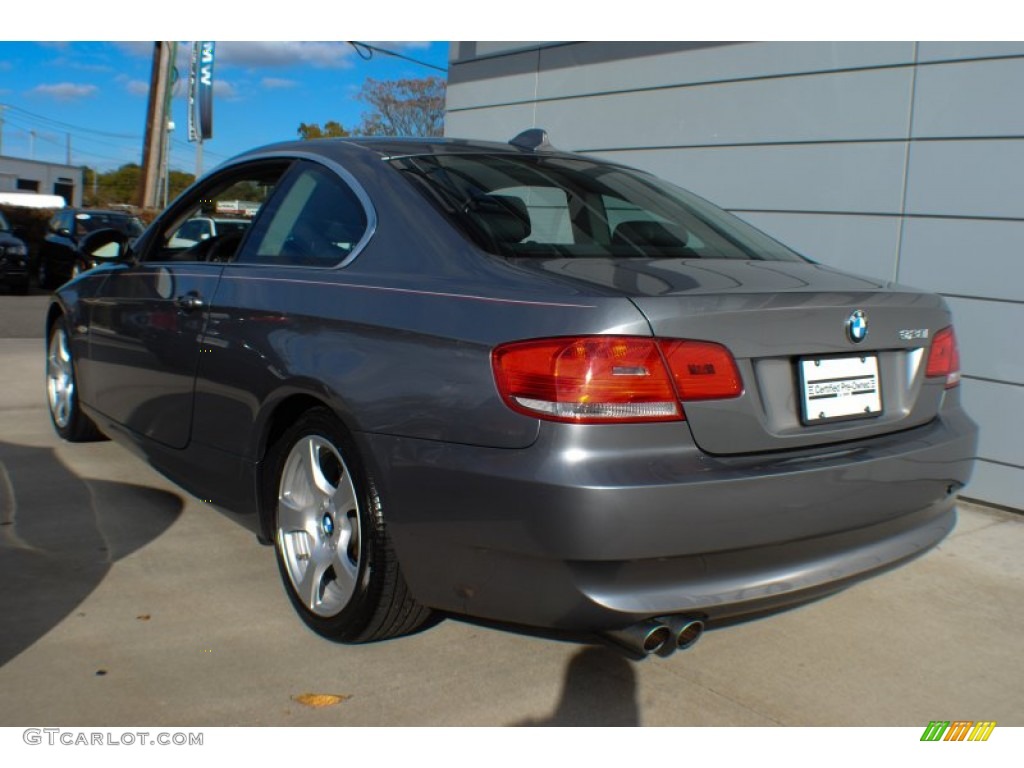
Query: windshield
543	206
91	221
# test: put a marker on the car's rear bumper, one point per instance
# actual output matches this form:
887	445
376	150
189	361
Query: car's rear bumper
596	527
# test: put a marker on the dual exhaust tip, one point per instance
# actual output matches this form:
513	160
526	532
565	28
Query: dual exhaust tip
663	636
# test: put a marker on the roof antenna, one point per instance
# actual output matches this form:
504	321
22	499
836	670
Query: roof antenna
533	139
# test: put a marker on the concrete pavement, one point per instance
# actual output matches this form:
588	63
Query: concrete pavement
124	601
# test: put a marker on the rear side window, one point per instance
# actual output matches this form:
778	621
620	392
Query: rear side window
552	206
315	220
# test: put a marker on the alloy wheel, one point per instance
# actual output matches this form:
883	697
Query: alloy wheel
318	529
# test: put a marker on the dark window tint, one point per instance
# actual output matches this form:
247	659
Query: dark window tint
551	206
316	220
211	223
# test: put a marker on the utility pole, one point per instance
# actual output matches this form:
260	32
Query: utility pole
31	145
156	125
68	135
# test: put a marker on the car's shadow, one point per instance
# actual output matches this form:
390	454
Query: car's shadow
59	535
599	689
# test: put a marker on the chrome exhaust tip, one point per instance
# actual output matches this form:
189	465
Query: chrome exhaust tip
642	638
686	630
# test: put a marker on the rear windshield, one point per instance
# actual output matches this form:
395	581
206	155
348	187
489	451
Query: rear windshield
551	207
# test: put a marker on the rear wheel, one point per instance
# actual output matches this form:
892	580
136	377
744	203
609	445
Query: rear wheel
333	551
62	390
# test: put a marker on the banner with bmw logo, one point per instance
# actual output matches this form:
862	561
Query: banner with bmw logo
200	92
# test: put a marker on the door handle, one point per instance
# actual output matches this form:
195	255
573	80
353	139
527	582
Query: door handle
190	302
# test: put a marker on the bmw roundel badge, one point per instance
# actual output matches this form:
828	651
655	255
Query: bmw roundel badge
857	326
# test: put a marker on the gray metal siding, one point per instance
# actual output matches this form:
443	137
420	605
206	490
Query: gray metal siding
898	160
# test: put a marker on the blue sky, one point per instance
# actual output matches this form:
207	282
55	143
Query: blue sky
97	93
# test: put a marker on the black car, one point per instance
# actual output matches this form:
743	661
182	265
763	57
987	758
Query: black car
13	258
517	384
62	255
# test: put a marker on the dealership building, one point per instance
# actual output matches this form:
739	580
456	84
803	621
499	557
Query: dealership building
22	176
900	161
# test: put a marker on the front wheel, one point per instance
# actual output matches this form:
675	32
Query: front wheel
333	551
62	390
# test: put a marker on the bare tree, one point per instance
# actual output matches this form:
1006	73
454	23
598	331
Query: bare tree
411	107
403	107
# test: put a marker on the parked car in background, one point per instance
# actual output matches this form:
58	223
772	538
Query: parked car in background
518	384
201	228
13	258
61	256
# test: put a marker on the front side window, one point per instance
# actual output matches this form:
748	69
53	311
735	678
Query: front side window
213	222
550	206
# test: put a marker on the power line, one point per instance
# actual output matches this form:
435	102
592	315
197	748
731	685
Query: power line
62	124
26	127
366	51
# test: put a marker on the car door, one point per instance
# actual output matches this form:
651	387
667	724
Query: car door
146	328
57	252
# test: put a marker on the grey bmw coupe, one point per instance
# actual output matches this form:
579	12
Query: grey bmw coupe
512	383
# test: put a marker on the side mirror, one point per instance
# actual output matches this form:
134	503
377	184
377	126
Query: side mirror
106	245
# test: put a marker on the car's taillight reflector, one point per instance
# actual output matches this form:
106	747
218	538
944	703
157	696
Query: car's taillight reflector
599	379
702	370
944	357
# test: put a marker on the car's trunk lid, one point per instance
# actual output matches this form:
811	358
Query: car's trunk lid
787	324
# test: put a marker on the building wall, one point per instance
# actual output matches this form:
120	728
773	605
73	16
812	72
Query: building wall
898	160
16	174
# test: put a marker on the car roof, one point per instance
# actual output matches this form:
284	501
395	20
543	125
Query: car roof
398	147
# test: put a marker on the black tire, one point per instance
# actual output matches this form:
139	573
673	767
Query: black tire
361	595
62	389
20	288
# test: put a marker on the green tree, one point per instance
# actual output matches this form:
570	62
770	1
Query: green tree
178	182
121	185
331	129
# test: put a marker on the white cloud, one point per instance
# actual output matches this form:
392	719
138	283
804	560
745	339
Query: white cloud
65	91
224	89
251	54
329	55
137	87
277	82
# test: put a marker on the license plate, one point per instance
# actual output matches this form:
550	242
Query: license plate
839	388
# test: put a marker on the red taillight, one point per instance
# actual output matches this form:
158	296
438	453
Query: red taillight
944	357
600	379
702	370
